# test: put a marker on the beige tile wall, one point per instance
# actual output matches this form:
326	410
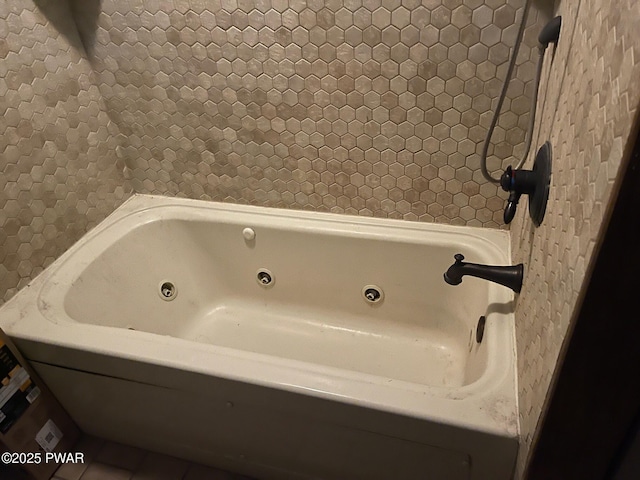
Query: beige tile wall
58	171
371	107
374	108
588	108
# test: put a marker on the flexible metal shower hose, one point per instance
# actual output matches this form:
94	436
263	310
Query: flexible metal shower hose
503	94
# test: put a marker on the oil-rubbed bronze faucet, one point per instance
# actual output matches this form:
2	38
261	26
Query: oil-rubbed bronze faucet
509	276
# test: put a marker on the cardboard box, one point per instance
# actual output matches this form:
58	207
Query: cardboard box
32	422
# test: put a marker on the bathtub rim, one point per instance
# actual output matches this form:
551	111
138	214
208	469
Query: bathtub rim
138	203
467	406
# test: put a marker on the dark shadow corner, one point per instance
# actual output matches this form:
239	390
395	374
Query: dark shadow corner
76	20
85	15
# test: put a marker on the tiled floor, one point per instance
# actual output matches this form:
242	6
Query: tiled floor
112	461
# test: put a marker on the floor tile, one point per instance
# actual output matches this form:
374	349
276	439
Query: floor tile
71	471
199	472
101	471
106	460
88	445
123	456
161	467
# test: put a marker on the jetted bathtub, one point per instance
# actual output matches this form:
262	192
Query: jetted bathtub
280	344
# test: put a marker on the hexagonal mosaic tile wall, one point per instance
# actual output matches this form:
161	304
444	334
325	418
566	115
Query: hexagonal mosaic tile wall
366	107
587	111
58	172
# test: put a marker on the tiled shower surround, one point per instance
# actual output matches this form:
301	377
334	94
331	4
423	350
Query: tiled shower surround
361	106
59	174
369	108
587	111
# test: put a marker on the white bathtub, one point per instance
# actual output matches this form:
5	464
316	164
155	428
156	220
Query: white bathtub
300	379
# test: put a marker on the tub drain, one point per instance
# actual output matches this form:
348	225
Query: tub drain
372	294
167	291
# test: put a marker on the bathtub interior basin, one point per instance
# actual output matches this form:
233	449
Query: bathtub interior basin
313	311
346	309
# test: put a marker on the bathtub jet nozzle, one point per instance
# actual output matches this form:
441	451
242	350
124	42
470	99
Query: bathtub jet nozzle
509	276
265	278
372	294
167	290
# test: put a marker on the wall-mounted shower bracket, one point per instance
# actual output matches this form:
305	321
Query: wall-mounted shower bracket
534	183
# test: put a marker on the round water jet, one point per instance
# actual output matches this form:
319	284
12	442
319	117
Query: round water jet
167	291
